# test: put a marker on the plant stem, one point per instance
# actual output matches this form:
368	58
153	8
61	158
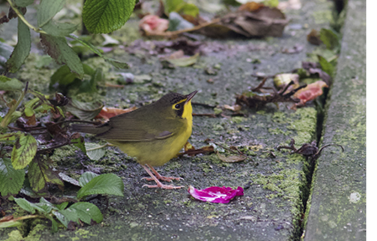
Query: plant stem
5	122
15	9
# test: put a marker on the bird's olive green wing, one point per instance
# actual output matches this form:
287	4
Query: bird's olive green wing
140	126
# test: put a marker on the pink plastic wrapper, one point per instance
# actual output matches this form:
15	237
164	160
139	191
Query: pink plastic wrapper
215	194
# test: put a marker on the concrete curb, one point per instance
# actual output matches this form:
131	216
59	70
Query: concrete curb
338	201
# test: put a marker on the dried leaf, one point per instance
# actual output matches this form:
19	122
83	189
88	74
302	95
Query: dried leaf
108	112
294	50
234	108
231	158
176	59
265	21
314	38
310	92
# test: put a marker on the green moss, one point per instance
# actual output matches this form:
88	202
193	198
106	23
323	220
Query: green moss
305	125
322	17
15	235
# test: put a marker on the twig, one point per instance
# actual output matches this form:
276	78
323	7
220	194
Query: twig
206	114
170	34
15	9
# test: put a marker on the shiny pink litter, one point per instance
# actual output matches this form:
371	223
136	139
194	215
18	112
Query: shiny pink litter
216	194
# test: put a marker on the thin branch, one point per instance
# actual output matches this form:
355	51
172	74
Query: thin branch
15	9
173	33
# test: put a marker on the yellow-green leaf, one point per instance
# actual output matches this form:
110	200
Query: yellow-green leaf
23	151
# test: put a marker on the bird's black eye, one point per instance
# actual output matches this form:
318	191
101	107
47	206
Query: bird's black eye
177	106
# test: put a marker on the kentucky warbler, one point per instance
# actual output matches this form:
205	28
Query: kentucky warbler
153	134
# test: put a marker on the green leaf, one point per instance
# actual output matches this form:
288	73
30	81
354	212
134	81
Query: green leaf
176	22
58	49
22	49
87	212
62	206
29	107
117	63
86	177
59	29
184	61
326	66
10	224
26	205
10	84
47	10
173	6
180	6
190	9
23	3
54	224
80	143
11	180
108	184
40	174
84	110
63	76
94	151
23	151
104	16
67	216
330	39
10	136
90	86
87	44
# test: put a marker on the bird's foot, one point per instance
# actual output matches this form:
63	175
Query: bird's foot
162	178
162	186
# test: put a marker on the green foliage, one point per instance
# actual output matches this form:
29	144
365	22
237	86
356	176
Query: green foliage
94	151
181	7
326	66
10	84
40	174
330	39
23	151
11	180
176	22
47	10
116	63
86	177
22	49
84	110
104	16
23	3
58	49
109	184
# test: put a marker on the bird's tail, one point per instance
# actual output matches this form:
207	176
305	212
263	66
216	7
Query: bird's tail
91	129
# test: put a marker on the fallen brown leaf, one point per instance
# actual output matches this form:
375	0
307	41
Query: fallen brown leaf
232	158
108	112
314	38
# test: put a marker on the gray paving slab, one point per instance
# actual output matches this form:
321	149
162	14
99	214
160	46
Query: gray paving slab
338	202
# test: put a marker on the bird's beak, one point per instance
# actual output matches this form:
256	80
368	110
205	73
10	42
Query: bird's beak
190	96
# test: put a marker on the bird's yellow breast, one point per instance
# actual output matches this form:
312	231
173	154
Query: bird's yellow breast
158	152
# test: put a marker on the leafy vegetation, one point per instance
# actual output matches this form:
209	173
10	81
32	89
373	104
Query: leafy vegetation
27	142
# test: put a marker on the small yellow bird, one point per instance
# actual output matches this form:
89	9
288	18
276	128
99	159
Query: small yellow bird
153	134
